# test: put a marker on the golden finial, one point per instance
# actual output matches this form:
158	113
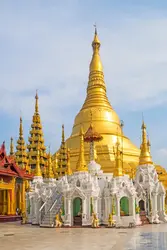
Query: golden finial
21	128
38	168
50	169
11	146
96	42
63	137
36	102
69	170
96	64
145	156
81	165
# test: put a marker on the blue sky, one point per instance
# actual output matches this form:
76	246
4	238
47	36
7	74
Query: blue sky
46	45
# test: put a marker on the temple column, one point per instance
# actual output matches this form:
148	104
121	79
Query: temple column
4	210
133	208
95	205
23	197
68	217
19	193
118	208
9	205
1	201
13	208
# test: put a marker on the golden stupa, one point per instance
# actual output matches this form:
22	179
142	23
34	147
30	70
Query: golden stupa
98	111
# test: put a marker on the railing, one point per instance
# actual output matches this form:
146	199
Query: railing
53	204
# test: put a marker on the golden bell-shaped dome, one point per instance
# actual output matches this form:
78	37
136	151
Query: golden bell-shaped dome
98	111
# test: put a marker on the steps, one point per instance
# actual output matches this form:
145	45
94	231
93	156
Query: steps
144	218
77	221
54	204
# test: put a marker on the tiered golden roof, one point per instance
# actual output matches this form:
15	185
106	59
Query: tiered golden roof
62	159
145	156
105	120
81	164
36	139
21	153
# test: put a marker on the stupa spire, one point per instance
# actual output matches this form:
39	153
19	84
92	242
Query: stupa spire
36	139
81	165
11	146
21	153
145	156
63	136
62	161
118	159
96	90
36	103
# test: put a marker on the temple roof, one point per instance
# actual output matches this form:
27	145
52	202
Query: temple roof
9	167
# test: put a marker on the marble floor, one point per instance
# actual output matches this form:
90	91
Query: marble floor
23	237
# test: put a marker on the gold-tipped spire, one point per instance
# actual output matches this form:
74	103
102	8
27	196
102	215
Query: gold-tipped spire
81	165
21	128
145	156
11	146
118	159
55	165
36	103
50	169
38	172
96	64
96	90
63	137
69	171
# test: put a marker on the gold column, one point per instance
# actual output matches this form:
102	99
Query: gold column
1	201
23	197
13	198
20	202
4	210
9	205
13	212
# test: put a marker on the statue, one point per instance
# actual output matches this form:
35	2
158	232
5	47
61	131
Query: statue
58	222
111	222
137	210
24	219
95	221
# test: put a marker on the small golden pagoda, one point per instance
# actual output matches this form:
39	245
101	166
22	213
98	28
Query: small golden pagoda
36	140
62	158
21	153
104	119
145	156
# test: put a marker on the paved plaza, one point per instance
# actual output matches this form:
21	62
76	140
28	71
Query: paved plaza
17	237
